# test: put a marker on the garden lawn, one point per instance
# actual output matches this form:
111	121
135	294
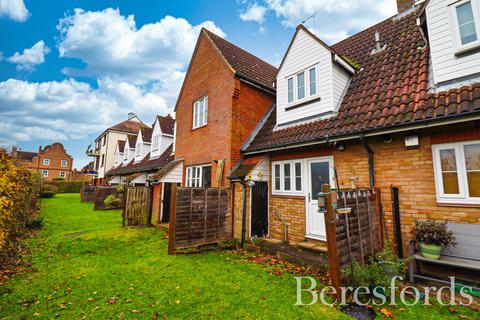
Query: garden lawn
86	265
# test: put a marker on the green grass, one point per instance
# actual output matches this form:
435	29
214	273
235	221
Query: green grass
76	276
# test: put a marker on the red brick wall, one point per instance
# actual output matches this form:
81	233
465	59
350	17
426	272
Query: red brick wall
56	153
234	110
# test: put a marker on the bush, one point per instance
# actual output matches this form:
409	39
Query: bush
67	186
49	188
47	194
112	201
431	232
19	190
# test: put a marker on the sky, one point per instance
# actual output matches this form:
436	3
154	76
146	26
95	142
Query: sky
69	69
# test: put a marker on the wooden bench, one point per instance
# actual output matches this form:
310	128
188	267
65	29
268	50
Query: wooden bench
465	255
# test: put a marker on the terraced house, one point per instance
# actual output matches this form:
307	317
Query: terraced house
396	104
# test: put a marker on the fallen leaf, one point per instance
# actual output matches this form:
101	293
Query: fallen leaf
112	300
177	301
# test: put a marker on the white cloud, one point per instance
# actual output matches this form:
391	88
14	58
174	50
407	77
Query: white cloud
111	45
30	57
71	109
333	20
14	9
255	13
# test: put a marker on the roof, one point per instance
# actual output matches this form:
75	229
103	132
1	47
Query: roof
166	124
128	126
25	155
146	134
244	167
390	90
244	63
165	170
146	164
121	145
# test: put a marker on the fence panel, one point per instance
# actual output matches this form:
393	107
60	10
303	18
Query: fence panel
137	206
101	193
87	193
200	216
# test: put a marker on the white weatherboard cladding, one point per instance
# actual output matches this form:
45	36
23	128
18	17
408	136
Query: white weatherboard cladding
175	175
304	53
446	65
164	141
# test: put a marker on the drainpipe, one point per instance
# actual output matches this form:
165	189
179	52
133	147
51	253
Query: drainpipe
370	161
244	211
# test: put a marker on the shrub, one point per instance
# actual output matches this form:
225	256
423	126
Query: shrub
47	194
112	201
67	186
49	188
432	232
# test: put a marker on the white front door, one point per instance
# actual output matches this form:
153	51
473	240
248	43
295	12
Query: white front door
319	172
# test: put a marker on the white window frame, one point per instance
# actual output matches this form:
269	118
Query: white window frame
45	173
63	174
293	190
452	13
200	114
155	140
46	162
195	181
138	149
308	94
64	163
463	197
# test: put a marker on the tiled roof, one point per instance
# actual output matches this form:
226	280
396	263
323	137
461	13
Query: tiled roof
25	155
146	134
165	170
146	164
244	167
245	63
121	145
128	126
166	124
390	90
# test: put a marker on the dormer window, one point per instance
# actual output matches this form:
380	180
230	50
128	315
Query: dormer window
155	143
302	85
464	17
138	150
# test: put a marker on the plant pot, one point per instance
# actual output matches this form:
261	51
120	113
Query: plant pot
430	251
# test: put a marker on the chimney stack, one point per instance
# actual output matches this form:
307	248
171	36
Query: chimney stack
404	5
131	115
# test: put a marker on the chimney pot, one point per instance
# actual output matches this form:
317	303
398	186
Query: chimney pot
131	115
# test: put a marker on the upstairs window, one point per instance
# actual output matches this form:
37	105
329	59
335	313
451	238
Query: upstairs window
302	85
155	143
464	16
200	112
46	162
64	163
457	172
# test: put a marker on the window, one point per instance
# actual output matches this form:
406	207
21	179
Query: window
64	163
45	173
103	160
155	143
46	162
464	18
62	174
104	140
312	75
290	90
288	177
457	172
200	112
301	85
199	176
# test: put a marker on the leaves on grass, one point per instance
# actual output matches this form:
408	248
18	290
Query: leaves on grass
112	300
386	313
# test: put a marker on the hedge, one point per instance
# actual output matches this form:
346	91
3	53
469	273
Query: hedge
65	186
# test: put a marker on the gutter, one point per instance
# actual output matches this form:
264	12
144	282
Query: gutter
421	124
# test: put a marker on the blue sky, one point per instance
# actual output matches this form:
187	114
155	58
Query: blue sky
71	68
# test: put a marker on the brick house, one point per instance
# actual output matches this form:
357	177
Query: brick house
51	162
392	105
225	93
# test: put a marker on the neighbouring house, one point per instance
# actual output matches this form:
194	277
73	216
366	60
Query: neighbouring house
225	93
397	104
104	152
52	161
87	173
139	158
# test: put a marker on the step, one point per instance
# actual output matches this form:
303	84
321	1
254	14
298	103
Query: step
317	246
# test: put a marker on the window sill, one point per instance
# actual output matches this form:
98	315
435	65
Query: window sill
289	196
302	103
462	51
454	204
196	128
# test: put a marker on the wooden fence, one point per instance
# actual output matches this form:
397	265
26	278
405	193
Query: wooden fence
101	193
199	216
87	193
138	205
352	235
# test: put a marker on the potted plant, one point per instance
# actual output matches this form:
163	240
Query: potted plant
432	237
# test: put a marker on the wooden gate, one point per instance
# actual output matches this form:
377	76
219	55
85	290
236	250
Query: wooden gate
259	223
199	216
137	206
